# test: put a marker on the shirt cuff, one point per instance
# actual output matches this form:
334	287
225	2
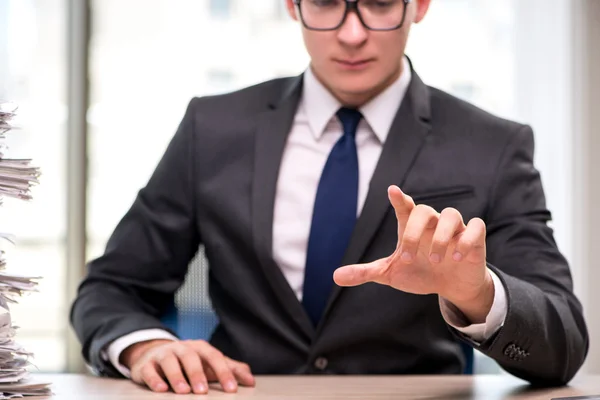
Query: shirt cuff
494	320
115	348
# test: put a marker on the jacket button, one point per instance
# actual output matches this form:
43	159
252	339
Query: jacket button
515	353
321	363
510	351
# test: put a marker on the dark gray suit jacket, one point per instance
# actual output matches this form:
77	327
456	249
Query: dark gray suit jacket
215	186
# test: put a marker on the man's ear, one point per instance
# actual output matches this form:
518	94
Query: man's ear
422	7
291	9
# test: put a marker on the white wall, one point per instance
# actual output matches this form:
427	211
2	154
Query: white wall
586	163
543	50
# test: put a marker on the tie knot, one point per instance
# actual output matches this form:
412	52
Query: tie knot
349	117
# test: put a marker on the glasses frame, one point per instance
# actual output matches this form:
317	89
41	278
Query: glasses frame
352	5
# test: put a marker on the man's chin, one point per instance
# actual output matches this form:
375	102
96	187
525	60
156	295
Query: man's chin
360	91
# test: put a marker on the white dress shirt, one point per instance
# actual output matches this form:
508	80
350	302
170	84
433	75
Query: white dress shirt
314	132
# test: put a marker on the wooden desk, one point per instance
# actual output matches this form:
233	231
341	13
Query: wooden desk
82	387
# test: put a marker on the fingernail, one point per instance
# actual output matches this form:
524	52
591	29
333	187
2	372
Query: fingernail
182	386
457	256
435	257
201	387
160	387
230	386
406	256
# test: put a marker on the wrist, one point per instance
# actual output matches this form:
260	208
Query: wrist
132	353
476	307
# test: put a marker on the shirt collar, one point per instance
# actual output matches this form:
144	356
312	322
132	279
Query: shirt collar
379	112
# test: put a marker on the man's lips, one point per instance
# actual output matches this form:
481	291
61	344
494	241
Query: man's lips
353	64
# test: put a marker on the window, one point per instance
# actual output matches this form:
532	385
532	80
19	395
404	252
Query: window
32	74
219	81
465	47
281	11
220	8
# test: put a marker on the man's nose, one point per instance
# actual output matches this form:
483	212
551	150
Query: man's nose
352	31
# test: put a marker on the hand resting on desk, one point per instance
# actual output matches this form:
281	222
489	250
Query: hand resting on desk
159	364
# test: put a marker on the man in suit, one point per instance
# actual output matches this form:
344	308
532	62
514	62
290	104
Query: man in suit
427	212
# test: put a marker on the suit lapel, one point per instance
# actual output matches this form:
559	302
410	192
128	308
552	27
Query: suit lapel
407	136
271	135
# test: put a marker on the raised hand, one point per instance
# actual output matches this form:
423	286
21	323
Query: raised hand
436	253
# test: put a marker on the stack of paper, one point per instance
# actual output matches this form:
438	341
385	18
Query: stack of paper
16	178
6	114
16	175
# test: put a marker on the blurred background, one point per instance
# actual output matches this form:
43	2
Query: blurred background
103	84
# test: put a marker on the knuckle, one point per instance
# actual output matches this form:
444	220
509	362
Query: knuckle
167	357
440	242
189	354
189	360
410	239
360	272
178	348
161	357
147	373
136	375
227	375
196	376
214	353
466	243
221	369
175	377
147	369
424	209
245	367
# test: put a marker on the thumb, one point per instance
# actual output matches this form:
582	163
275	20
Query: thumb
357	274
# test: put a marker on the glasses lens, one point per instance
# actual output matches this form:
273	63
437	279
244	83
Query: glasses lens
382	14
322	14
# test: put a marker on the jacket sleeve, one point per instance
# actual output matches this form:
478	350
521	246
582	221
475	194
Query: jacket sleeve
133	283
544	338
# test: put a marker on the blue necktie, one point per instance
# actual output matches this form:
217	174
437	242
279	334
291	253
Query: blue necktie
334	217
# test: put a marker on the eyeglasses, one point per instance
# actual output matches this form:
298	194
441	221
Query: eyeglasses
329	15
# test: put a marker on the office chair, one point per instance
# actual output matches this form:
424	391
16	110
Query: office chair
192	317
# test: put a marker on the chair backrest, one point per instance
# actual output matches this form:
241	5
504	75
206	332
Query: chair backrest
192	315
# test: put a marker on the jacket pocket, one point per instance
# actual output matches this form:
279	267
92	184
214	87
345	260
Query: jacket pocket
445	194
